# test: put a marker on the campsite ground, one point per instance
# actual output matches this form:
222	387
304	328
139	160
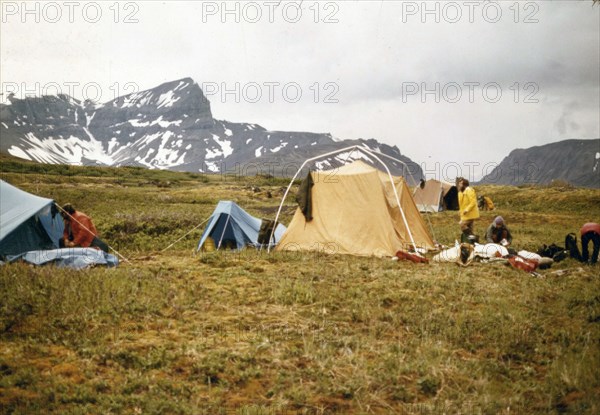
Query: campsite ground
290	333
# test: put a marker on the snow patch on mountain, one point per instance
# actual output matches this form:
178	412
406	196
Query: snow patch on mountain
71	150
225	149
95	150
159	121
89	118
212	166
323	165
181	85
136	123
112	144
349	157
167	99
17	152
279	147
138	99
167	154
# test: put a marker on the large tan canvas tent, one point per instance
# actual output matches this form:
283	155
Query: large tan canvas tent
355	211
435	196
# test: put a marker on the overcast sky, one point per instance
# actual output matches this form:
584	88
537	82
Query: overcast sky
500	75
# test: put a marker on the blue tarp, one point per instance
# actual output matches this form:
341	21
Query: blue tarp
229	222
27	222
77	258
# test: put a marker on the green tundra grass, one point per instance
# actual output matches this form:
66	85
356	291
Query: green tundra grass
176	332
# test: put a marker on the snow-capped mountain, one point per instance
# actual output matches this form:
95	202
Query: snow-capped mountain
167	127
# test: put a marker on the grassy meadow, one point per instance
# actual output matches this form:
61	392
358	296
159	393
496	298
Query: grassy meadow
174	332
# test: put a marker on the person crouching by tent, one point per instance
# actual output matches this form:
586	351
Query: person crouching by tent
467	202
590	232
80	231
498	233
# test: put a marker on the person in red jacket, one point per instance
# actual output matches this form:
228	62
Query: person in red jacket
590	232
79	230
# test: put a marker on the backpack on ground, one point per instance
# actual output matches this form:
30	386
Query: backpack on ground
557	253
571	246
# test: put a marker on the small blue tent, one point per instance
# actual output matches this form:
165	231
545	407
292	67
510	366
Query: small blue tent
27	222
230	224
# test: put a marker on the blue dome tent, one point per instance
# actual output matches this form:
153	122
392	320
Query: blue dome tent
27	222
30	228
230	225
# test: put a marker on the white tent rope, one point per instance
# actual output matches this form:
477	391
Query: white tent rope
193	229
84	227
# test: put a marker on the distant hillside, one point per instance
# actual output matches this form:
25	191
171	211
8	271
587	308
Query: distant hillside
574	161
170	127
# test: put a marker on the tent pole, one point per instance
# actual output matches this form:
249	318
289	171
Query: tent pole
223	233
397	197
287	190
366	151
414	193
412	177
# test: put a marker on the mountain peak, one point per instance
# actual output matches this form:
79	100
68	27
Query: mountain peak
169	126
183	92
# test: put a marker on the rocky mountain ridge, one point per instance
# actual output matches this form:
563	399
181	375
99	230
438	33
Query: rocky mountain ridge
170	126
574	161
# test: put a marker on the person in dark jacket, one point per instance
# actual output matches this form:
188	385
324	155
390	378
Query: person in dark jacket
498	233
80	231
590	232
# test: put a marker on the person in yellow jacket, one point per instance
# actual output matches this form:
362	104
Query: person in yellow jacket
467	203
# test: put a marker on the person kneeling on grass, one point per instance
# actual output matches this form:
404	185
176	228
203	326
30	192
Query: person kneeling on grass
498	233
80	231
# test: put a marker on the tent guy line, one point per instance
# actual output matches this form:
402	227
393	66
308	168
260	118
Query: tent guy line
192	230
